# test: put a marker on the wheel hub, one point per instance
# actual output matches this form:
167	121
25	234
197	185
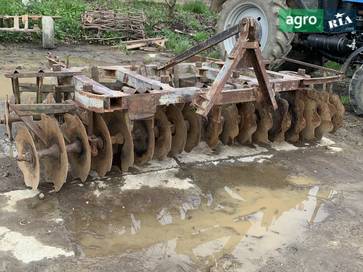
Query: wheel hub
247	10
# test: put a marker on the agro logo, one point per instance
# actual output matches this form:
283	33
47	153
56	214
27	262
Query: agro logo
301	20
317	20
341	20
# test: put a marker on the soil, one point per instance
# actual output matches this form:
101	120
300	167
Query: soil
274	208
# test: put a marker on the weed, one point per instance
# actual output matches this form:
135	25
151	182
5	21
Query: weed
196	6
345	99
68	27
332	65
201	36
177	43
193	17
215	54
14	7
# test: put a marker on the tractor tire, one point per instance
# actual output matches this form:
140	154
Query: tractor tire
356	91
48	39
274	43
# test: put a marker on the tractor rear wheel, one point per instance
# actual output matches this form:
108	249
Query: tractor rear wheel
356	91
274	43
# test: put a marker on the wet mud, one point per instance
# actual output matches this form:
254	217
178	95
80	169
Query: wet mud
32	58
299	210
235	210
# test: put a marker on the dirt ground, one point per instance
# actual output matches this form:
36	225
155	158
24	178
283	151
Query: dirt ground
274	208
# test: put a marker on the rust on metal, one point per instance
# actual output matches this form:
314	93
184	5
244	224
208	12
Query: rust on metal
36	109
42	74
129	115
220	37
247	43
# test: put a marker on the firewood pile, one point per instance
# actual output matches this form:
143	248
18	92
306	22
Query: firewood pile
129	25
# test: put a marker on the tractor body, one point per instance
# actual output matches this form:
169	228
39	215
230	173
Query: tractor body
340	40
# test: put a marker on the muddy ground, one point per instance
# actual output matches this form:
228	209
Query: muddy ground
274	208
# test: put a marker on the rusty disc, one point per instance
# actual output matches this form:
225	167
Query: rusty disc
325	114
214	127
163	137
179	133
75	132
264	124
26	150
231	121
248	123
298	122
55	166
338	117
194	134
281	121
119	125
8	124
311	116
102	162
144	140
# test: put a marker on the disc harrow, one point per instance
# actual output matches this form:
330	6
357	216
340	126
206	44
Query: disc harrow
126	116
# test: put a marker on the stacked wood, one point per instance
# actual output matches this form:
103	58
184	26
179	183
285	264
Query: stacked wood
130	25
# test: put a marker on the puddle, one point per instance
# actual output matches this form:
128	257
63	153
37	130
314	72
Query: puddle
302	181
7	91
5	87
246	211
27	97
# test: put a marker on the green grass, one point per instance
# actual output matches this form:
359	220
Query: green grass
193	18
14	7
345	99
196	6
201	36
177	43
332	65
67	28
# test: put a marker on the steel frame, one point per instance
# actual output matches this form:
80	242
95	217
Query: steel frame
140	95
96	97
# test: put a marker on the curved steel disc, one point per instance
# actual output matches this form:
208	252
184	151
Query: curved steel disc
119	125
144	140
56	166
281	121
179	135
312	118
231	121
338	117
332	108
194	134
214	127
163	138
248	123
73	132
298	122
26	149
8	125
264	124
325	114
102	162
